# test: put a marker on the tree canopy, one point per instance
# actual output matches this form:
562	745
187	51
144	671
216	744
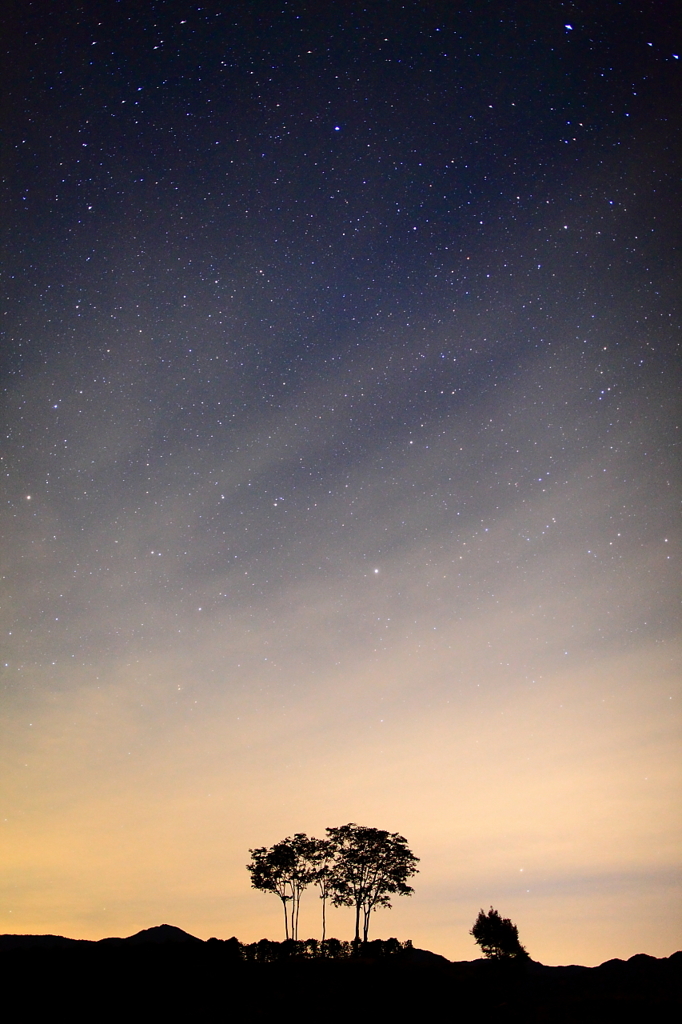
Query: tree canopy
285	869
371	866
354	866
322	858
497	936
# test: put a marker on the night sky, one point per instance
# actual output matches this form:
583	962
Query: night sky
340	369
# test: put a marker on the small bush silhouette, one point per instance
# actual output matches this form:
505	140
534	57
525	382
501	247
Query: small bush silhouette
497	936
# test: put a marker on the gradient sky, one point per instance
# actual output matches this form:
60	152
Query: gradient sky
340	375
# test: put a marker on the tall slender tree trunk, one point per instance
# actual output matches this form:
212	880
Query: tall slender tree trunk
365	931
357	923
286	919
324	918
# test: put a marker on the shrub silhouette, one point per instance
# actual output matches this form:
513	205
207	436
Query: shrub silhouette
268	951
497	936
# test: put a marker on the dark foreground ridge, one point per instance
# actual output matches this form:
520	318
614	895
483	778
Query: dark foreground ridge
165	974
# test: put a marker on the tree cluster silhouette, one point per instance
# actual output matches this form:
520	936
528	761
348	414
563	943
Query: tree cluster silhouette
497	936
267	951
354	866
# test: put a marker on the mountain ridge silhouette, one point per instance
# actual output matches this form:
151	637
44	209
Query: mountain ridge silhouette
159	934
165	973
163	934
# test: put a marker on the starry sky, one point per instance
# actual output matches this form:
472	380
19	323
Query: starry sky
339	387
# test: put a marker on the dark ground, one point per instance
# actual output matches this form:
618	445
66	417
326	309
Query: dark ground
124	980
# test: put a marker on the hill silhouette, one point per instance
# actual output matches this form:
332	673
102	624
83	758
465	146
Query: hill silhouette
158	935
164	973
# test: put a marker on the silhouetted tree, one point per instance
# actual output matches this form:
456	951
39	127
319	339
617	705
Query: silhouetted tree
322	860
302	873
284	869
269	870
370	866
497	936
